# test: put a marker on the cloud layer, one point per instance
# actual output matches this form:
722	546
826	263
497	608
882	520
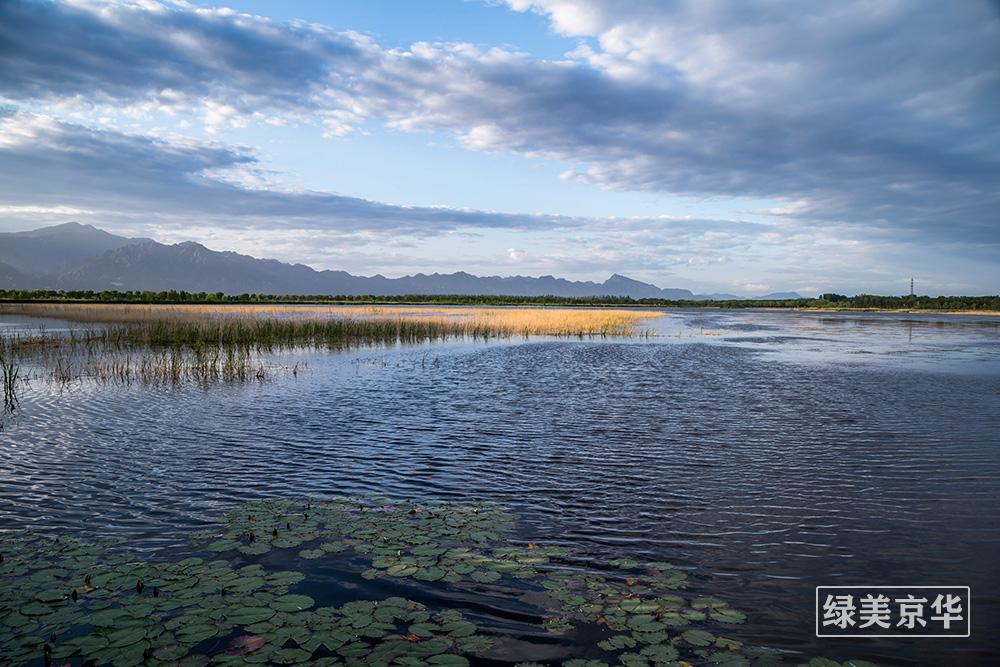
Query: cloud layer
877	118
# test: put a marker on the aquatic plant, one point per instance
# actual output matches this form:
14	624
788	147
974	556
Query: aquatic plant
71	598
127	343
10	372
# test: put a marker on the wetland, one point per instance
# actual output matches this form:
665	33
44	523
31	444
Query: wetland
643	490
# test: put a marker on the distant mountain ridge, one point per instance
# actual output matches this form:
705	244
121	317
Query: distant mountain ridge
72	256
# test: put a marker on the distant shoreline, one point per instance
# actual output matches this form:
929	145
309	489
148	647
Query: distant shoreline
224	301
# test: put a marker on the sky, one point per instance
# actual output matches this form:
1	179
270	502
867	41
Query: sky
722	146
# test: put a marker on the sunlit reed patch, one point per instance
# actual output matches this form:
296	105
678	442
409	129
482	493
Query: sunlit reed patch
128	344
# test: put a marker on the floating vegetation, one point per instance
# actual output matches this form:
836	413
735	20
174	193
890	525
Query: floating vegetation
71	601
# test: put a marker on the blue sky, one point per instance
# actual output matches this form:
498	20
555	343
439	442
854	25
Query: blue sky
736	146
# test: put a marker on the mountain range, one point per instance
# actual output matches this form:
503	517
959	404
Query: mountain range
72	256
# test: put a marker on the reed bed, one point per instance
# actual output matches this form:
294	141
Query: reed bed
128	344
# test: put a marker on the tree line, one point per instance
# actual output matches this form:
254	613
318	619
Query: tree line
829	301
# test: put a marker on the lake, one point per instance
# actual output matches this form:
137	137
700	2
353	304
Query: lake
763	453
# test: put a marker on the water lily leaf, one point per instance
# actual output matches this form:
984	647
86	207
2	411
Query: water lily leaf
698	637
638	606
249	615
728	616
617	643
223	545
194	634
126	637
431	549
284	578
708	603
556	624
53	595
429	573
424	629
449	660
660	653
660	637
660	565
645	624
355	650
312	553
89	643
245	644
140	610
290	656
624	563
674	619
35	608
401	570
256	549
332	642
170	652
287	542
134	654
633	660
16	620
730	644
485	576
671	601
459	628
431	646
292	602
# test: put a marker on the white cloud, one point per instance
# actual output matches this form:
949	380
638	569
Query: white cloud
872	121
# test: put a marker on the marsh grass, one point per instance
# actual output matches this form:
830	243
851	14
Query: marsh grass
127	344
9	372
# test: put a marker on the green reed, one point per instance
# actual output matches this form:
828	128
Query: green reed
126	345
10	372
203	349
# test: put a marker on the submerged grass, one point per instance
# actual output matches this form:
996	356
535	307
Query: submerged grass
169	344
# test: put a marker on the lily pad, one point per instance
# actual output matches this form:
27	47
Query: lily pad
660	653
249	615
284	578
195	634
727	615
245	644
171	652
292	602
485	576
617	642
698	637
429	573
459	628
126	637
449	660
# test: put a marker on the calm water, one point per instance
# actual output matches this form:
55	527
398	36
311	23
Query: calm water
765	452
